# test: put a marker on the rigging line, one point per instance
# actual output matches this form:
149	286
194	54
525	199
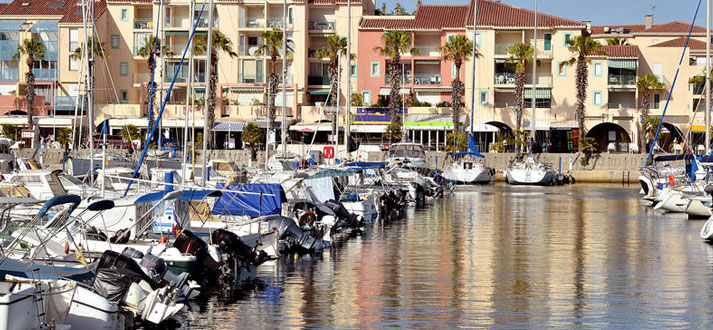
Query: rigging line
668	99
165	101
106	65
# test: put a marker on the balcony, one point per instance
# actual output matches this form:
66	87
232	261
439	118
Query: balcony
318	80
251	78
428	51
427	79
508	78
178	22
322	25
8	48
67	103
698	90
203	22
622	79
620	106
198	77
177	49
45	74
405	81
276	23
143	24
541	48
502	49
10	74
141	78
252	22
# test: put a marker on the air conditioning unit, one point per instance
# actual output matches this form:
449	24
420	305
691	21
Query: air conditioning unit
607	29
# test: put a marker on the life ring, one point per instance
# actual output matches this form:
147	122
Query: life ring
307	218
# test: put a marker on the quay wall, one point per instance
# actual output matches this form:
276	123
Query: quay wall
602	168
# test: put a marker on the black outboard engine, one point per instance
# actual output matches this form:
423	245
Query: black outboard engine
709	190
344	218
289	231
190	243
231	244
157	270
115	273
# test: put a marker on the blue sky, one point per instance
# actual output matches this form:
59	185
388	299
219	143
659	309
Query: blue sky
600	12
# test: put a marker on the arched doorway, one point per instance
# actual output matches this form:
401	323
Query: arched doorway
500	137
610	136
17	113
669	133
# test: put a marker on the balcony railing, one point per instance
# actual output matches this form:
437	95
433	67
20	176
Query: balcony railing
318	80
276	22
45	74
143	23
699	90
406	79
620	106
427	79
141	78
504	78
622	79
502	49
322	25
67	103
203	22
541	80
251	78
198	77
10	75
177	49
252	22
428	51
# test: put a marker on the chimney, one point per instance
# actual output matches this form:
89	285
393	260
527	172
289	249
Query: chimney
588	23
649	19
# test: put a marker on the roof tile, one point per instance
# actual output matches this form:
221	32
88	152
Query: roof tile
620	51
693	44
671	27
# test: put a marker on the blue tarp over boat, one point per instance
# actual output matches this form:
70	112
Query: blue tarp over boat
251	202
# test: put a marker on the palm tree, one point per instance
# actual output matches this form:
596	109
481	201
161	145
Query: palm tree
96	49
33	50
151	47
335	45
645	84
272	47
64	137
457	49
521	55
616	41
581	47
219	43
395	44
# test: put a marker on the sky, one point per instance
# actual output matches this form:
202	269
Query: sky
600	12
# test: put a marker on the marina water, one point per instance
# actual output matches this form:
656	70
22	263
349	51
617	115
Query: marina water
495	256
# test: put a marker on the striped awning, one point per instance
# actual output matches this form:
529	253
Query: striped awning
432	89
428	62
623	64
542	93
322	91
244	89
229	127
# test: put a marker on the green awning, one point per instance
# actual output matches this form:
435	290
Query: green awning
623	64
177	33
323	91
243	89
542	93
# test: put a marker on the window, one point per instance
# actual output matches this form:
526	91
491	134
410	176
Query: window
290	16
597	98
597	69
449	36
454	71
73	39
375	69
658	71
483	97
124	14
123	96
548	41
478	39
73	64
354	70
124	69
657	101
562	69
366	97
115	41
567	37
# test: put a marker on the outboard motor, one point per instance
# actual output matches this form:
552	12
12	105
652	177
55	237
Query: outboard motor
288	230
156	268
115	273
190	243
230	243
345	219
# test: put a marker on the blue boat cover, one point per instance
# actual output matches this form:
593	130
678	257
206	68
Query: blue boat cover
60	200
458	154
191	195
670	158
365	165
252	204
473	148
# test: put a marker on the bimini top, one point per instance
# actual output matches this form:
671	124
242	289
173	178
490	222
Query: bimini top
252	199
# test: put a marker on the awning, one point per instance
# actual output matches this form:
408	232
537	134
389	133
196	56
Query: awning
263	123
323	91
430	122
368	128
176	33
539	125
569	124
428	62
622	89
483	128
542	93
244	89
698	128
623	64
229	127
431	89
505	90
314	127
371	119
387	91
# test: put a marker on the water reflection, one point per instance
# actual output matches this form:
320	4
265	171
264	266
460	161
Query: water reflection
497	257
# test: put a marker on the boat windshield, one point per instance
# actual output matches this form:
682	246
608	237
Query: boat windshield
68	180
409	150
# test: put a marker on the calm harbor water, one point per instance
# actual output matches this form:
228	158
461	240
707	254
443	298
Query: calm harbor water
580	256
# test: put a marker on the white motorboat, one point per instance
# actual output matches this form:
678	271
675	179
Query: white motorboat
412	154
465	171
529	172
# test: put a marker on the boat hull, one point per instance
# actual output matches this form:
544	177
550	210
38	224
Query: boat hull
529	177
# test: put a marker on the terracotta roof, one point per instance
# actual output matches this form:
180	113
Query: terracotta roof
497	14
620	51
672	27
428	17
693	44
328	2
70	10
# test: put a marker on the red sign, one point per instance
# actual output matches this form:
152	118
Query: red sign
328	152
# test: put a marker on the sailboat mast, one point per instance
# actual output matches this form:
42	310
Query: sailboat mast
708	76
90	101
188	100
283	126
209	68
534	80
474	82
347	115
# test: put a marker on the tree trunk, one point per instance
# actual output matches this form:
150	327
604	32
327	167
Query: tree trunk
582	84
211	97
333	88
645	105
519	99
150	92
272	90
30	90
394	74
